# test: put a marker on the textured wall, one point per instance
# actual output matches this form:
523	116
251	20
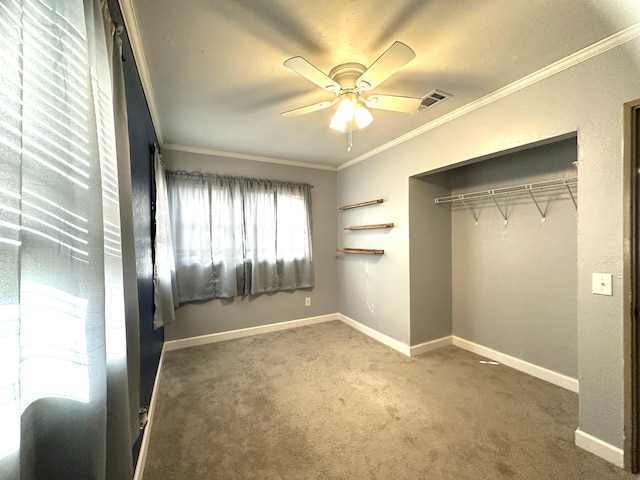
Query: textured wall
586	98
514	287
430	251
230	314
374	290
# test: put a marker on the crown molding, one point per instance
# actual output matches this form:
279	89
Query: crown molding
602	46
572	60
133	32
245	156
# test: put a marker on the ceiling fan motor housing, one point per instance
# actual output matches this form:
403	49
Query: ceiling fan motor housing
346	75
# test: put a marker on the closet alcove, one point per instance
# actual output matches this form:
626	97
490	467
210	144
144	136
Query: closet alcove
499	271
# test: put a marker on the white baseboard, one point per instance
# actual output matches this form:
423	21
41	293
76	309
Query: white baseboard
275	327
429	346
376	335
146	434
410	351
534	370
542	373
600	448
247	332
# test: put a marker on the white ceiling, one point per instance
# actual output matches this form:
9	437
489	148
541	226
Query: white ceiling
214	76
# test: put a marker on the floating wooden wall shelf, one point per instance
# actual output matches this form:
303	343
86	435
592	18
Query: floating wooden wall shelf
363	251
367	227
361	204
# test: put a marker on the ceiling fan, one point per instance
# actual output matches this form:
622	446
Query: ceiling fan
350	82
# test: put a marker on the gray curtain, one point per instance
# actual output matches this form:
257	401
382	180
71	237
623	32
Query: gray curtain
238	236
165	292
130	277
64	390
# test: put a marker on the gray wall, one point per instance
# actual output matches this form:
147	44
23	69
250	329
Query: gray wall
370	287
515	287
587	98
430	251
223	315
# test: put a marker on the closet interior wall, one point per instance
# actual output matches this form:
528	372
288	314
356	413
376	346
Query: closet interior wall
511	288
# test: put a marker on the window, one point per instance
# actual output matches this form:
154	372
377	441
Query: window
238	236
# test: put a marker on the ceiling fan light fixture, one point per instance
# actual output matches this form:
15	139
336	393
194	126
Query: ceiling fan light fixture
344	113
362	116
338	123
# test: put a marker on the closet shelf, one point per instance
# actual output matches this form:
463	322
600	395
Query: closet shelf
367	227
559	185
363	251
546	186
361	204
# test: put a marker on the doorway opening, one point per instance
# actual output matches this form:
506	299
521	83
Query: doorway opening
632	287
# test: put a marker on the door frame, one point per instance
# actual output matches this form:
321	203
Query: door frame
631	275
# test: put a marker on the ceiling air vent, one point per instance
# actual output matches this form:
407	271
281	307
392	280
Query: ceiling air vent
431	99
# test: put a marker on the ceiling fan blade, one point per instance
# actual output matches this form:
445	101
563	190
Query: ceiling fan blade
312	73
393	103
392	60
308	109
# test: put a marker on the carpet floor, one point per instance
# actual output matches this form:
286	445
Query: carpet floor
327	402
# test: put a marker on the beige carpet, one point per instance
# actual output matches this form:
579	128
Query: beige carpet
327	402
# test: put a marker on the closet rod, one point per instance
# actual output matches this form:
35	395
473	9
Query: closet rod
548	185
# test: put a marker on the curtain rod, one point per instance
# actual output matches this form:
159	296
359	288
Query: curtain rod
215	175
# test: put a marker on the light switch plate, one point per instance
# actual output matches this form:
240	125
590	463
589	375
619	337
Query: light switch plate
601	283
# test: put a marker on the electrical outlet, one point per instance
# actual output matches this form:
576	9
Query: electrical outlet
601	284
307	301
